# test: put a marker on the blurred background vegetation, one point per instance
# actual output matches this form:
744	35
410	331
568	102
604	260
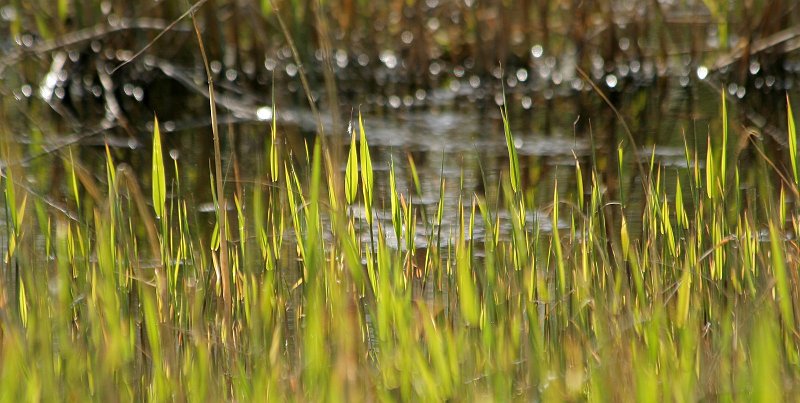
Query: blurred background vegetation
397	46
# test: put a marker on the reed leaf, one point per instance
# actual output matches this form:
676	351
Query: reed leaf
159	181
351	172
792	141
366	170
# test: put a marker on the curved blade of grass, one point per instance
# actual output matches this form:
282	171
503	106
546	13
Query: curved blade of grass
513	161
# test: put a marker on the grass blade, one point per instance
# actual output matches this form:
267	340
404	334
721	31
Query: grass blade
366	170
513	161
159	182
351	173
792	141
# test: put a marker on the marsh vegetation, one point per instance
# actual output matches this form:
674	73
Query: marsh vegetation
439	200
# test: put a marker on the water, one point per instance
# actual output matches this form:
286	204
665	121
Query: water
452	129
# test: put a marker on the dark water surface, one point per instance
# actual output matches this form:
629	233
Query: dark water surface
452	131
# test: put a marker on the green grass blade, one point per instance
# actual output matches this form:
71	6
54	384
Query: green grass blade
792	141
351	173
513	160
397	216
11	200
781	275
159	182
274	163
414	176
366	170
74	180
724	151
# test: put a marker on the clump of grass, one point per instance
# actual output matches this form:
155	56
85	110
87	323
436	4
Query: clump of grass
690	300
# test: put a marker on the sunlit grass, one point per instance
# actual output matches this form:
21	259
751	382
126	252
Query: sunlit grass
692	296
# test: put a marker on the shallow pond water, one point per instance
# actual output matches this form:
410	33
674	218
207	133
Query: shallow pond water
453	132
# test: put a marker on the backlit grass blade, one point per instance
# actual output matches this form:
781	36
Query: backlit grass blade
724	151
559	256
159	182
11	200
397	216
513	161
23	304
792	141
294	211
579	182
19	217
624	237
710	172
414	176
765	357
313	248
74	180
684	295
273	149
351	173
366	170
620	164
781	275
62	9
680	210
467	292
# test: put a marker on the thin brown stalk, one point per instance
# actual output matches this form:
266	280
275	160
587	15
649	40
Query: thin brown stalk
221	205
332	153
642	172
189	12
300	69
135	191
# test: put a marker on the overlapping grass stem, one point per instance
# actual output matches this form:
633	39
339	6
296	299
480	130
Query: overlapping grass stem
695	299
